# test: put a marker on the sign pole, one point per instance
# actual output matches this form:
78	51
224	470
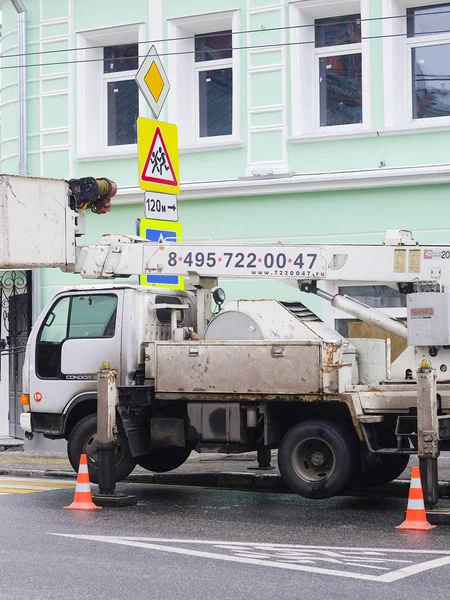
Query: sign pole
157	155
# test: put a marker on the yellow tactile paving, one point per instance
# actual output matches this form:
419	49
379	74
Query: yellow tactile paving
31	486
34	459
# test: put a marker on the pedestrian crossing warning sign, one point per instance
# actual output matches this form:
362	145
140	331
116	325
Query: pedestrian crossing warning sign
158	166
158	156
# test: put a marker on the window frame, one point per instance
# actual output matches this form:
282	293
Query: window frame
339	50
111	78
91	117
69	315
201	67
398	68
305	112
183	74
421	41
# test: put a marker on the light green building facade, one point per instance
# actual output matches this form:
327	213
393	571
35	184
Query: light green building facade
335	115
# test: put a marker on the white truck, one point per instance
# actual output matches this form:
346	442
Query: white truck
255	375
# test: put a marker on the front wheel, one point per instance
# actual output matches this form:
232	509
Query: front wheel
317	458
164	459
83	440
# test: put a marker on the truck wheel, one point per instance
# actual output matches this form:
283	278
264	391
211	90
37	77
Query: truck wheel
317	458
83	440
163	459
391	466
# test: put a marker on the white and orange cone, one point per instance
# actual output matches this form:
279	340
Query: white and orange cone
416	517
83	495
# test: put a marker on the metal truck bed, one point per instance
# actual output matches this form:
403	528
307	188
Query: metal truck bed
251	368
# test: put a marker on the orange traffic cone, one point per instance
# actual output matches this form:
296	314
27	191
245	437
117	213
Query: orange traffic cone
416	517
83	495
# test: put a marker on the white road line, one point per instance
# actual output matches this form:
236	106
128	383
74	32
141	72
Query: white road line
414	569
353	564
265	563
163	545
262	546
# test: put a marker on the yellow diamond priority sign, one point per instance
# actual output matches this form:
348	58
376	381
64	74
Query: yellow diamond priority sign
153	82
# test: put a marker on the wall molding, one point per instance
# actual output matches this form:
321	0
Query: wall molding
299	183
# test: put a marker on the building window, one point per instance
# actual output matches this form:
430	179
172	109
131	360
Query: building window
416	47
107	98
330	83
429	60
214	77
381	297
204	74
376	296
339	69
122	99
352	328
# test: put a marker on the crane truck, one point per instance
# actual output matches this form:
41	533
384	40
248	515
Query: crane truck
246	376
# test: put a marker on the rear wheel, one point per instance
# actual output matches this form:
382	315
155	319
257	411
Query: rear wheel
83	440
164	459
317	458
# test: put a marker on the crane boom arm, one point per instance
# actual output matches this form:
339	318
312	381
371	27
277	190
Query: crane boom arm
119	255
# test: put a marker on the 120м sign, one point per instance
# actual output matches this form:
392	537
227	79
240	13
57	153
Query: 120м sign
297	262
161	206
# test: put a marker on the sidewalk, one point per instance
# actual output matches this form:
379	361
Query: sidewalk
225	471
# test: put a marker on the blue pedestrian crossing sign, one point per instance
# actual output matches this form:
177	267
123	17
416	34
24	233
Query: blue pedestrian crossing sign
160	231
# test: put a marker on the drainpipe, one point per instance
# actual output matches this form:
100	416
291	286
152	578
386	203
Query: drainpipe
22	80
23	131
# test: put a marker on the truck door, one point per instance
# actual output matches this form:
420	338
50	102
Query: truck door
79	332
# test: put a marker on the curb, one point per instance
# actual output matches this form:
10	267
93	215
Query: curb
17	472
257	482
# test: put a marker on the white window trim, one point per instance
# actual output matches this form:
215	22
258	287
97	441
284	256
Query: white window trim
183	75
91	132
305	67
323	53
398	116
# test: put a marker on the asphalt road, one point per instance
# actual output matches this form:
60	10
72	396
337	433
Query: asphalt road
190	543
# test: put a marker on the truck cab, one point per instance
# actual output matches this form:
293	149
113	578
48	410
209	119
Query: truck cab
79	330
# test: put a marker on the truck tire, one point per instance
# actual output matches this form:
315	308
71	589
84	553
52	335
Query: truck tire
391	466
163	460
83	440
317	458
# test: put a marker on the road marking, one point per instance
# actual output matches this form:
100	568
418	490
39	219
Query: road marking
34	460
31	486
12	490
395	563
